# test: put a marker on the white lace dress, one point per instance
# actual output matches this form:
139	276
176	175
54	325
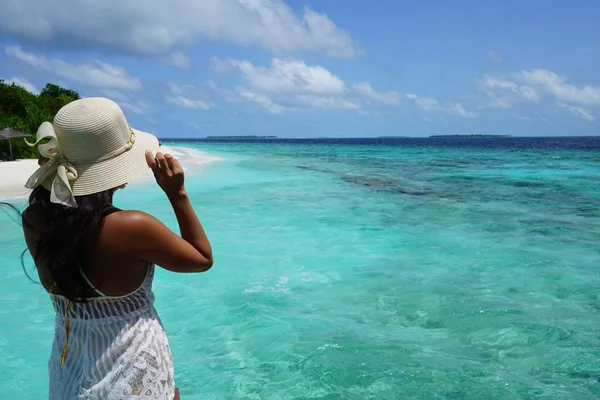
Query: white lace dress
111	348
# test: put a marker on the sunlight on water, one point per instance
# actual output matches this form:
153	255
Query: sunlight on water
356	272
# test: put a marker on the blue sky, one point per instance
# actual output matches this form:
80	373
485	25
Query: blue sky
189	68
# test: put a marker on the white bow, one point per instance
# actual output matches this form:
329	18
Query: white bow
64	172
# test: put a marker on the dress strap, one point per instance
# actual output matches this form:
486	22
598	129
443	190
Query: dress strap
90	283
147	278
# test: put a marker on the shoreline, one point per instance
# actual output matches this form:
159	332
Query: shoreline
14	174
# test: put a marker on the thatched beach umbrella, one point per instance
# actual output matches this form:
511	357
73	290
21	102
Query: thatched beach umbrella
9	134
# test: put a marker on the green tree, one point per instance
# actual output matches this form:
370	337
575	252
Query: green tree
53	98
25	111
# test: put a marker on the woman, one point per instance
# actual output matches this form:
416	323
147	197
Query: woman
97	261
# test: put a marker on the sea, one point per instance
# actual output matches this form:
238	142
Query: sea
441	268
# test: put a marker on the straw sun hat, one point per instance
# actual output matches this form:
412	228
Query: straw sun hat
92	148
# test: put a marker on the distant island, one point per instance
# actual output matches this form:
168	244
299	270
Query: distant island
475	136
242	137
483	136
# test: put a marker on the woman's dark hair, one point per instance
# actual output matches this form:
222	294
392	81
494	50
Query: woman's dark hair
66	235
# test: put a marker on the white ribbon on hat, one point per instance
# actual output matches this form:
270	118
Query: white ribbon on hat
64	172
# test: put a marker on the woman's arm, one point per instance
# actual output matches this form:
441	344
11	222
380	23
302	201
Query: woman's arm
190	227
149	239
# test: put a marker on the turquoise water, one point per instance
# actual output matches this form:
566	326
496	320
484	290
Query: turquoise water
365	272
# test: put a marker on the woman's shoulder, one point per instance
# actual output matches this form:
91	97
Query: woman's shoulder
129	219
131	225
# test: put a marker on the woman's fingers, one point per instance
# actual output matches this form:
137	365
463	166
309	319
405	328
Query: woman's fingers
174	164
150	160
162	162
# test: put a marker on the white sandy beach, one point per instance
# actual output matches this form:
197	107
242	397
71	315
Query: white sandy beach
14	174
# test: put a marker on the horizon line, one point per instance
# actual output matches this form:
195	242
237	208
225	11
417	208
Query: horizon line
266	138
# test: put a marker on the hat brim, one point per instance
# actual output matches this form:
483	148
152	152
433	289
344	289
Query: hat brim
114	172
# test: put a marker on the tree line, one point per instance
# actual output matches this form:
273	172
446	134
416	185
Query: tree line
25	111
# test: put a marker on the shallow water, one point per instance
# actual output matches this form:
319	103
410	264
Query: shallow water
356	271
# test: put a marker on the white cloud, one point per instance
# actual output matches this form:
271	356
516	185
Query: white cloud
261	100
390	98
154	27
227	94
137	107
425	103
578	111
184	96
126	101
504	93
284	76
293	102
429	104
328	102
532	84
178	59
24	83
189	103
115	95
284	85
178	90
458	109
559	88
96	74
